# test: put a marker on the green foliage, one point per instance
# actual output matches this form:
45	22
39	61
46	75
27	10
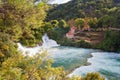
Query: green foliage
48	27
23	21
93	76
38	67
59	29
82	43
106	21
79	22
54	23
111	42
7	47
93	22
20	19
56	35
87	14
117	19
69	42
87	8
66	42
62	24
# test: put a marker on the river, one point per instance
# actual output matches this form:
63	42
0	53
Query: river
80	61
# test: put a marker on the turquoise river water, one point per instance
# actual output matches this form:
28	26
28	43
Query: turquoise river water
80	61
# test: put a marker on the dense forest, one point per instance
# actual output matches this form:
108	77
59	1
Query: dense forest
85	8
98	16
26	21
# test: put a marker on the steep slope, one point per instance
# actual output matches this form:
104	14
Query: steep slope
82	8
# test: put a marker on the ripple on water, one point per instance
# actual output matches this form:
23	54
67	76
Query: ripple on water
70	57
107	64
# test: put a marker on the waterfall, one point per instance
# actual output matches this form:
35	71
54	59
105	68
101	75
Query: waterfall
48	43
29	50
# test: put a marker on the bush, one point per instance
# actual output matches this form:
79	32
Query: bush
93	76
82	43
111	42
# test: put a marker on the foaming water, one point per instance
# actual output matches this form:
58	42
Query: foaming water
108	64
70	57
29	50
47	44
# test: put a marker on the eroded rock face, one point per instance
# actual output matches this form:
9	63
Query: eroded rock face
71	33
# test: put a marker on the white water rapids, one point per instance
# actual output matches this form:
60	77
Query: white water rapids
47	43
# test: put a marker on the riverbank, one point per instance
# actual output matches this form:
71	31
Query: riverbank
76	60
86	64
103	40
109	70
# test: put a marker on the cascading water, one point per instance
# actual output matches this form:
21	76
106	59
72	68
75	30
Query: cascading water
28	51
48	43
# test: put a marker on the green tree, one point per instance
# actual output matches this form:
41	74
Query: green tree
20	18
48	27
61	29
106	21
54	23
111	41
18	22
93	76
79	22
62	24
38	67
7	47
117	21
93	22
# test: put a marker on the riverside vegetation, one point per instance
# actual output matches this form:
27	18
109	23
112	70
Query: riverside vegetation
25	21
97	21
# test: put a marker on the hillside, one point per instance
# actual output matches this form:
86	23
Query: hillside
83	8
87	16
90	37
